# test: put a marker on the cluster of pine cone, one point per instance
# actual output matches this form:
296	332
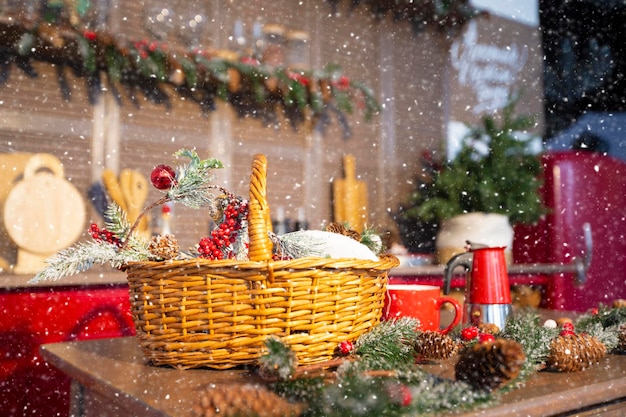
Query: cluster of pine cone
485	365
242	400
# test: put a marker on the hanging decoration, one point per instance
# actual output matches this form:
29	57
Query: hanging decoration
448	16
149	68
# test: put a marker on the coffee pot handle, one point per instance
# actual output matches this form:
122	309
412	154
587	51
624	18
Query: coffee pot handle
462	259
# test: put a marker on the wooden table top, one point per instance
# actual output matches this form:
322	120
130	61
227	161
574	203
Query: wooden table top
117	370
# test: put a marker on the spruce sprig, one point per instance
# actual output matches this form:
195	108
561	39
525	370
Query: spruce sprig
192	187
603	324
390	345
279	361
433	395
83	256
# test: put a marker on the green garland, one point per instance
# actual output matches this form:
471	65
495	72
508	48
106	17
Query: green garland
380	377
445	15
154	70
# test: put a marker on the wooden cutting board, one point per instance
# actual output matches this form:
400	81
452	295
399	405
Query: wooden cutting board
350	197
43	214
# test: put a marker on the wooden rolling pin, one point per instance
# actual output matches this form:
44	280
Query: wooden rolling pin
350	197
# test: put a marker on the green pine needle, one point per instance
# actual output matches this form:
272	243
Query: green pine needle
116	221
83	256
604	325
372	240
433	395
390	345
280	360
192	187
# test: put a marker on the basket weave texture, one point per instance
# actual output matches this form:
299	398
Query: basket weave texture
217	314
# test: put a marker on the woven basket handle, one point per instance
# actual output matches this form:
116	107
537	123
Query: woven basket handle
259	223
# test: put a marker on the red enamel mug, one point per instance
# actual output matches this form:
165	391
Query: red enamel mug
422	302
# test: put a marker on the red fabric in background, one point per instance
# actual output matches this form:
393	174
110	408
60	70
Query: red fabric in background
32	317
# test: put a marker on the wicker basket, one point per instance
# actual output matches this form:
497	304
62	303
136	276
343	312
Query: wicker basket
217	314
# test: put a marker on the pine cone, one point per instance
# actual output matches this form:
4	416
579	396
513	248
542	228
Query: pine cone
488	328
243	400
334	227
164	246
434	345
489	365
574	352
619	303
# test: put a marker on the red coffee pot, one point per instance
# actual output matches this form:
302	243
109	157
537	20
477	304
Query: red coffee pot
487	291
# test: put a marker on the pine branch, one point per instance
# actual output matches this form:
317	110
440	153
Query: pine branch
379	379
318	243
372	240
280	361
390	345
83	256
192	186
604	325
433	395
116	220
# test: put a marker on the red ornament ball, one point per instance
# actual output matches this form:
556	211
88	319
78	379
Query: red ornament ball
566	333
346	347
569	326
163	177
469	333
486	337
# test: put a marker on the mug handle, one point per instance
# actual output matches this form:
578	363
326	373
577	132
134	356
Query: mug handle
457	311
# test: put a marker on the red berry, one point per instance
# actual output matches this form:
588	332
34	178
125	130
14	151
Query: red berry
163	177
406	396
469	333
346	347
567	333
486	337
568	326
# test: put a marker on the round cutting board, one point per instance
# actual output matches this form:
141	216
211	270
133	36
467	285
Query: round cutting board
44	213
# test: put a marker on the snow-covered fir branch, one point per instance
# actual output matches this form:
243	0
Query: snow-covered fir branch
192	187
84	255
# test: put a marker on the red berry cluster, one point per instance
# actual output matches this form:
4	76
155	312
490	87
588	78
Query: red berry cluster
472	332
103	235
567	329
346	347
219	244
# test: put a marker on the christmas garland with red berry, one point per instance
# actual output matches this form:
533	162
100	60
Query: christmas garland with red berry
154	70
381	373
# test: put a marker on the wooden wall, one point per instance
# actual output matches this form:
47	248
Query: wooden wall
408	72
